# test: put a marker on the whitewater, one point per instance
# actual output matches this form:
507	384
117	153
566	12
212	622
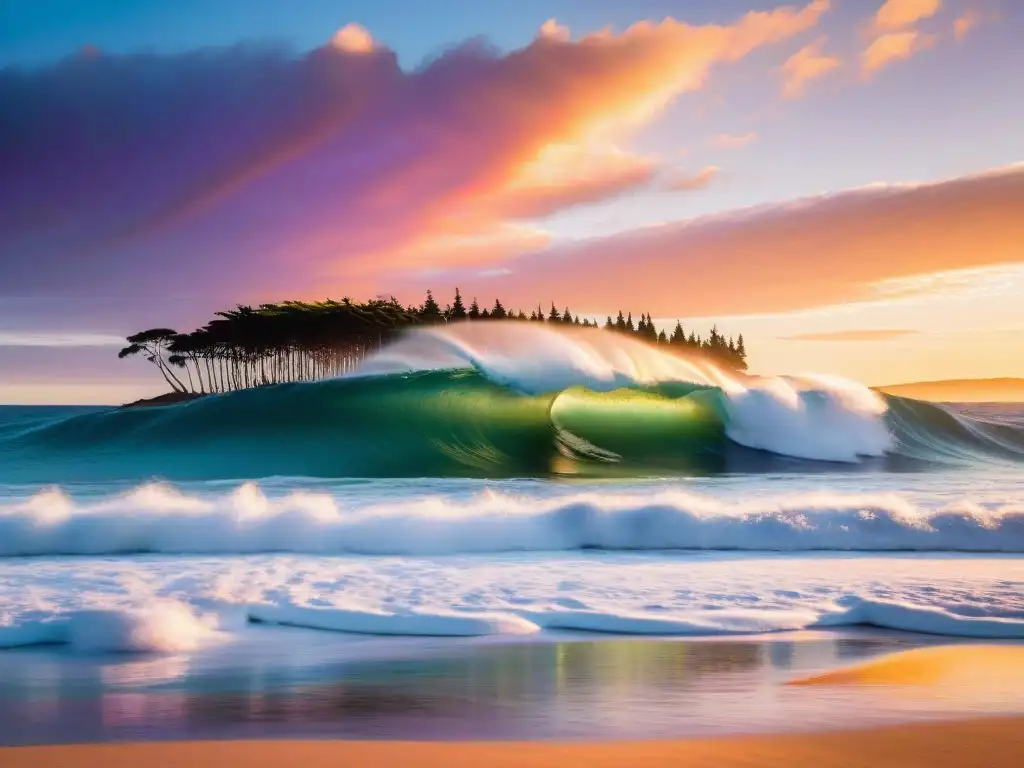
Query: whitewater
510	481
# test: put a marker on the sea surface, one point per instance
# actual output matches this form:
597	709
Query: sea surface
500	533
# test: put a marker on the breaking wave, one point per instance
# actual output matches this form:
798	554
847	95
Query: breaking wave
496	400
161	519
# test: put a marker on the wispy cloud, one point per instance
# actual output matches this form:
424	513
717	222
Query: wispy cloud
900	14
58	339
969	19
684	181
874	334
809	63
731	141
891	47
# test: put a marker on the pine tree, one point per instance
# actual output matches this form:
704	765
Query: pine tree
608	324
567	317
678	335
430	312
652	331
485	315
553	316
629	324
474	310
498	311
620	322
458	311
540	314
662	338
521	315
641	326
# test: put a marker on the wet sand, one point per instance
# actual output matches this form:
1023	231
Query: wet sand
977	668
993	743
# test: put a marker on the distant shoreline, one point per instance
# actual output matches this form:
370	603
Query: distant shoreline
994	390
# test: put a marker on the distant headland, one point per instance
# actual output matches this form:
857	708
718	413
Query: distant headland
305	341
999	390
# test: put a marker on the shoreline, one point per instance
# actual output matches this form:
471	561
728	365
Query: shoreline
992	742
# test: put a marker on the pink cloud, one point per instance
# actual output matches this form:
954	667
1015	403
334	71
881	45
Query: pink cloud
251	168
729	141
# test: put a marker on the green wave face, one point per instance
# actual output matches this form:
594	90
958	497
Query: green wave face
429	424
650	430
452	423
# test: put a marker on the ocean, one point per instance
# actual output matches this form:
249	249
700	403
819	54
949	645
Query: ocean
471	493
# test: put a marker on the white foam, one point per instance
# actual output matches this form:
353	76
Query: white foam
416	623
808	418
164	604
823	418
166	627
535	358
693	623
160	519
929	620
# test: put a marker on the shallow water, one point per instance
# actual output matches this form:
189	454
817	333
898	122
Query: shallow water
299	686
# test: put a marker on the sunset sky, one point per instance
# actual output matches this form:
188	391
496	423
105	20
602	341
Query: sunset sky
839	180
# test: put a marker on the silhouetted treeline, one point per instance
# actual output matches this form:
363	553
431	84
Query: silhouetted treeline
304	341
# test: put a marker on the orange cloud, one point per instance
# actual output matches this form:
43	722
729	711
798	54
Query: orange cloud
728	141
899	14
552	30
968	20
352	38
878	334
566	175
805	65
822	251
496	244
699	180
891	47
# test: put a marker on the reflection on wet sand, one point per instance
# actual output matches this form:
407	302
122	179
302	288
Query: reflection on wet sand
597	689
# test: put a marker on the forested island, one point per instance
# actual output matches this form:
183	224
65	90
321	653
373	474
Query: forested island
305	341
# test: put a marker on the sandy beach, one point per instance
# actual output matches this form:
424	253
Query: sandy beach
992	743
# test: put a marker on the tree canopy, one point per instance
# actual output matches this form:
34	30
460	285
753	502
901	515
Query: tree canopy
304	341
